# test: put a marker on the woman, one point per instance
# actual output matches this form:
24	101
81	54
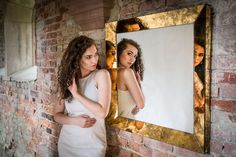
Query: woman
110	54
198	85
110	59
130	73
199	99
85	94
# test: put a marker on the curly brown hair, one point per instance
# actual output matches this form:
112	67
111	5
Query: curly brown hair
138	64
70	64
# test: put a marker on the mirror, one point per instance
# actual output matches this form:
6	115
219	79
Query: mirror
174	55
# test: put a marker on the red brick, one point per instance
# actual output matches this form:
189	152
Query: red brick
51	35
124	153
134	146
216	147
123	142
226	32
135	155
164	146
224	105
145	151
129	9
74	8
87	15
225	47
154	144
229	148
224	62
227	91
157	153
53	20
214	91
136	138
223	131
51	42
229	78
150	5
53	27
125	134
149	142
186	153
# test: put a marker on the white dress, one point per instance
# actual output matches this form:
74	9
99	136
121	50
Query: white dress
125	104
75	141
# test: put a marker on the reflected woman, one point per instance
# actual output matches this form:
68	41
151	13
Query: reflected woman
130	25
199	98
198	85
110	59
130	73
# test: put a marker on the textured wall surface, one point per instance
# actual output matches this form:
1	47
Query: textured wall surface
223	86
27	127
2	54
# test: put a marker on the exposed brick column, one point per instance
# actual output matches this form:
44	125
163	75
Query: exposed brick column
89	14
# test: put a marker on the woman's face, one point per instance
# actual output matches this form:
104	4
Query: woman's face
111	57
128	56
89	60
198	54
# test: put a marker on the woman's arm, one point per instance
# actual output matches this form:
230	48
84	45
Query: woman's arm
134	87
83	121
101	107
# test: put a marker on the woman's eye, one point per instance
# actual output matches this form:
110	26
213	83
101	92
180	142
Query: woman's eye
88	57
200	55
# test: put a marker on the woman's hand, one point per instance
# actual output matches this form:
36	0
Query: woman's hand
73	88
84	121
135	110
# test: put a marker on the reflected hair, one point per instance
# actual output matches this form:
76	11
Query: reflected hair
138	64
69	67
109	45
122	23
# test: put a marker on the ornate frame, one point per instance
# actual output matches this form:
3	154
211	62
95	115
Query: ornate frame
199	15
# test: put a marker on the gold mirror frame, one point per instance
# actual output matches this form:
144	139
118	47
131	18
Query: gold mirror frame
200	16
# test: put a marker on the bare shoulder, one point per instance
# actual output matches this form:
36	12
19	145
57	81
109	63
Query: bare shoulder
102	73
126	72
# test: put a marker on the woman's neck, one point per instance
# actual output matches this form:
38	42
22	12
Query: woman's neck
121	66
85	73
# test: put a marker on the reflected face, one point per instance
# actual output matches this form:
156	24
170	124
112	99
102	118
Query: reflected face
89	60
133	27
128	56
111	57
198	54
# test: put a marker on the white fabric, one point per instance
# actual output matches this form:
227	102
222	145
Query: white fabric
125	104
75	141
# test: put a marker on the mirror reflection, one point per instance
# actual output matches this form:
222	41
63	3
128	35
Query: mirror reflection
167	77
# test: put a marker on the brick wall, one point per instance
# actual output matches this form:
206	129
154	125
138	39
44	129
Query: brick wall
223	87
2	54
27	127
